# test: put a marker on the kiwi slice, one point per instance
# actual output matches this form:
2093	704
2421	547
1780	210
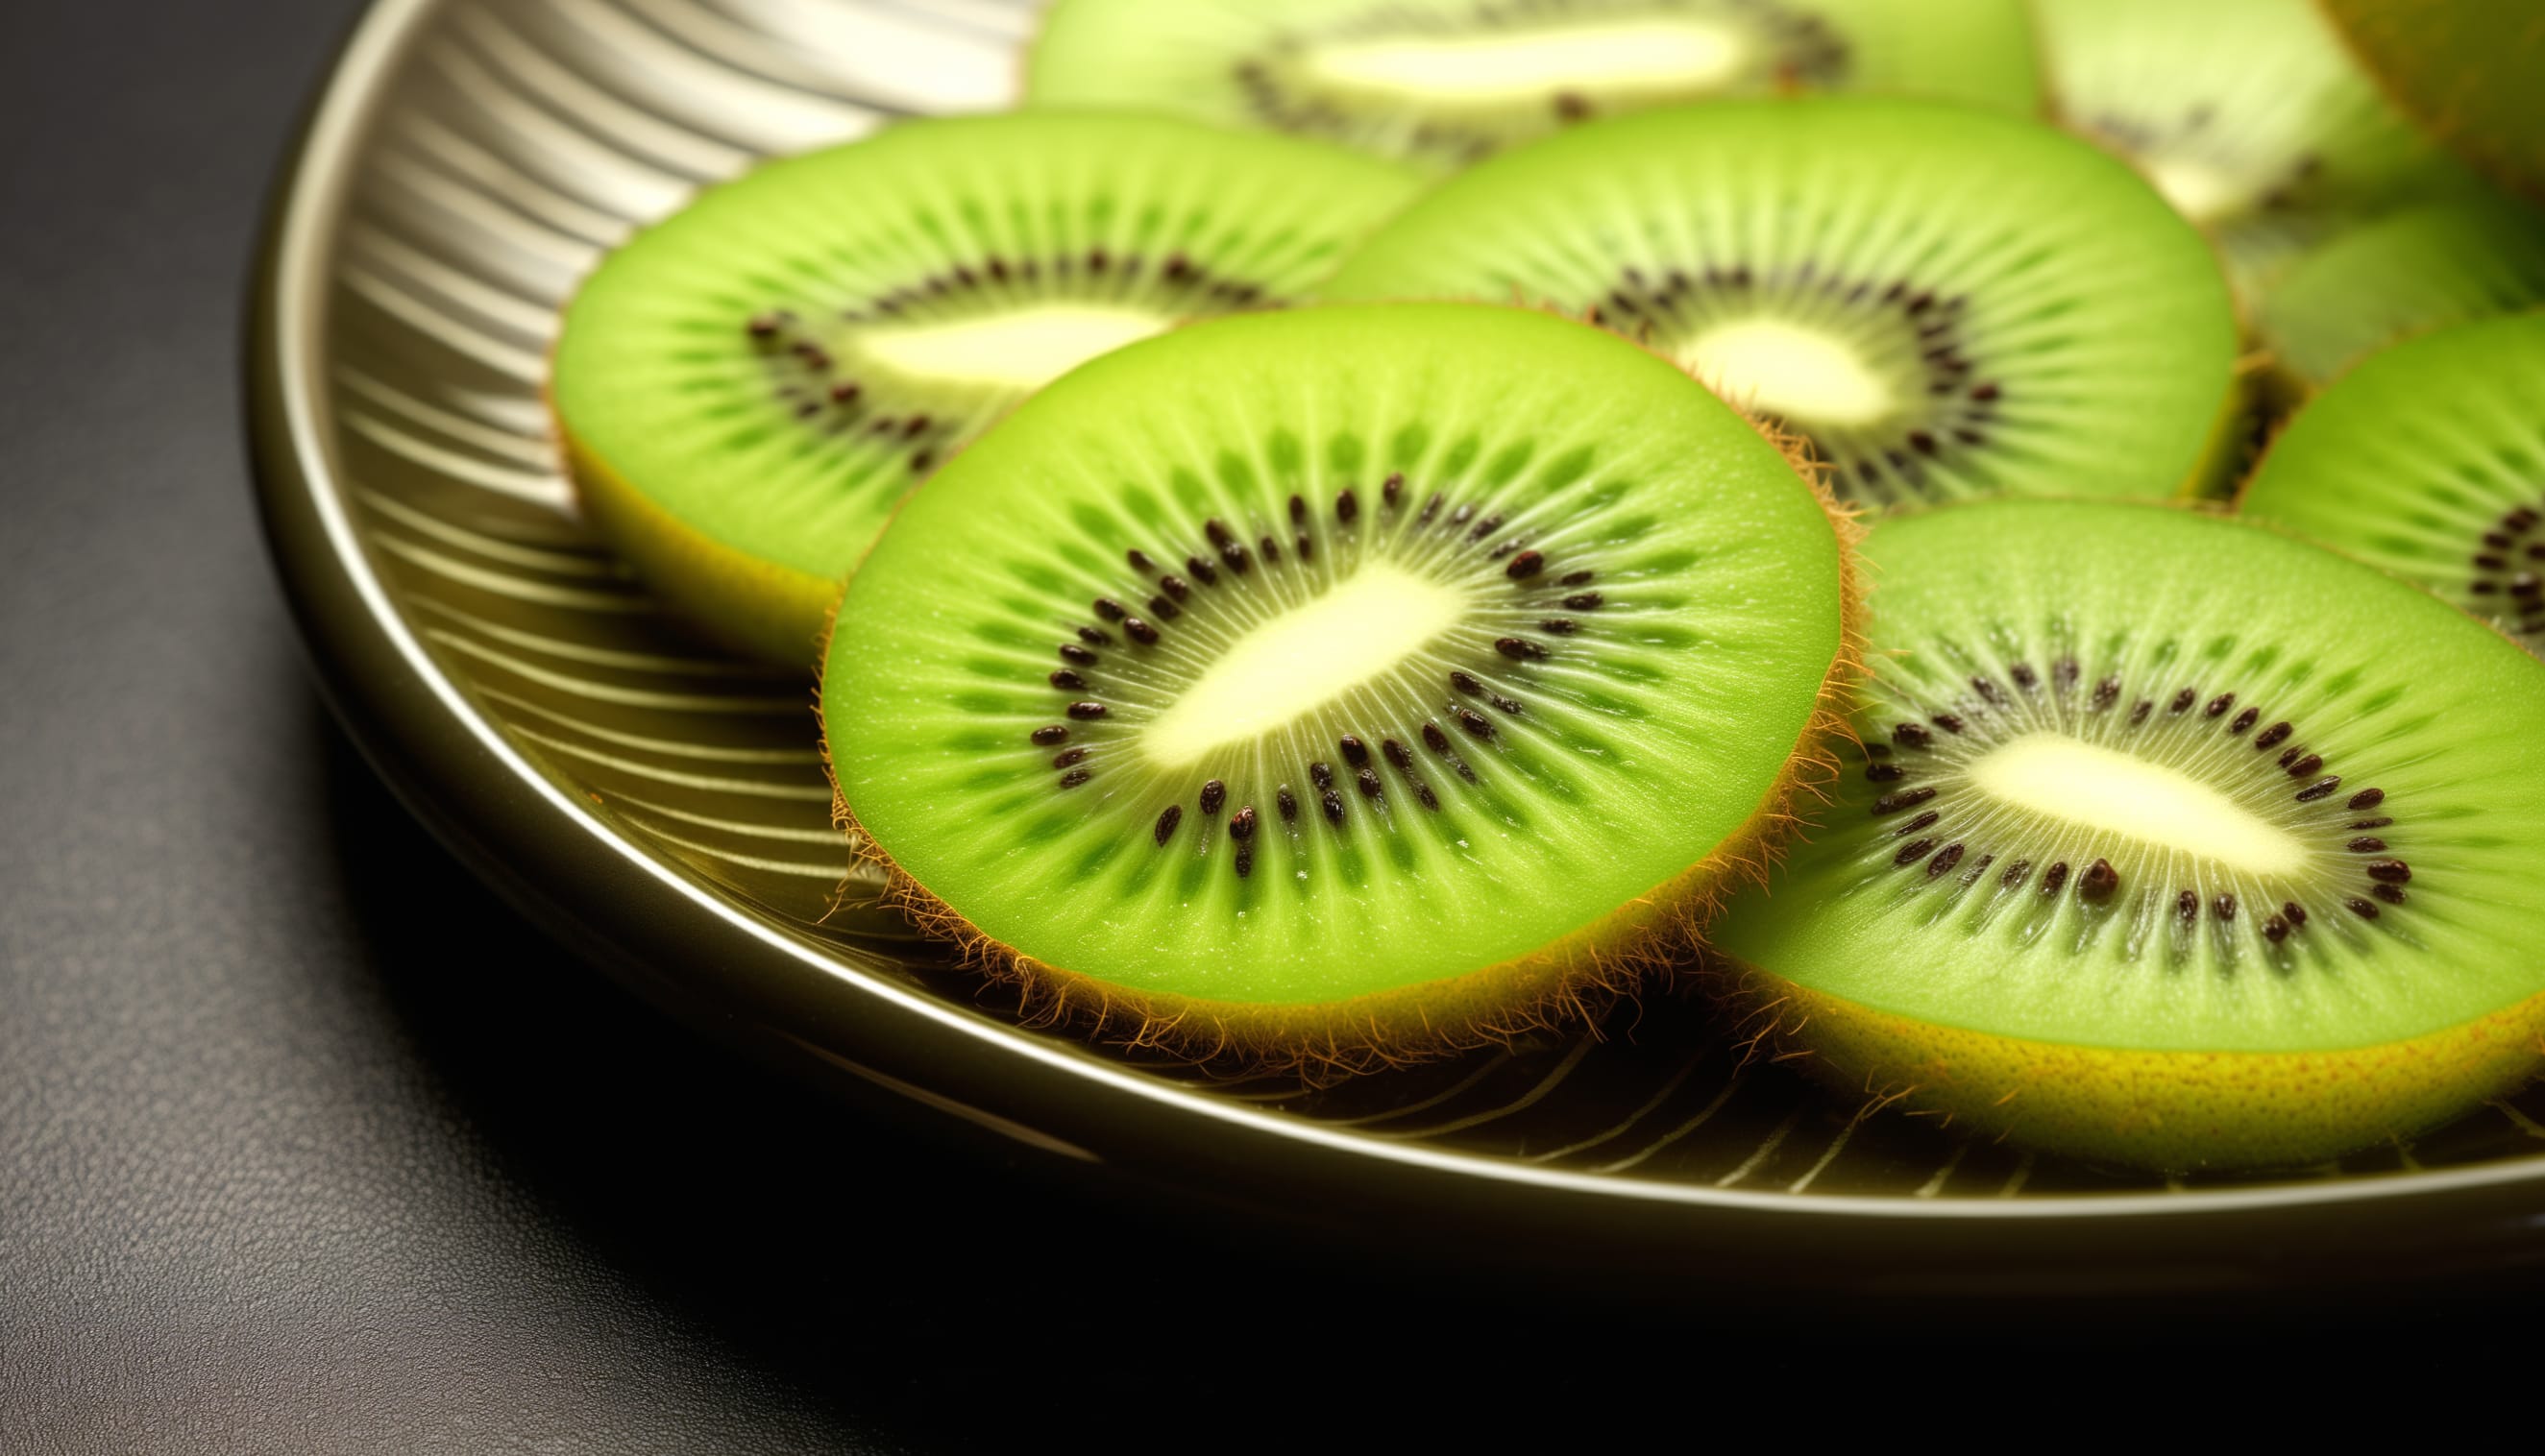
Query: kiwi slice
1336	685
2429	460
2247	115
747	388
2176	842
1943	301
1446	82
2467	69
2473	256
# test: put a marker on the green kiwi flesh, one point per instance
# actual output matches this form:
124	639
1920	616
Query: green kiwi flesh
748	387
2467	69
1943	301
2429	460
2175	842
1444	82
2472	256
1338	681
2247	115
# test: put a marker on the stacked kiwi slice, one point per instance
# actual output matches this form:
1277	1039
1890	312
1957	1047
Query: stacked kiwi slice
1360	548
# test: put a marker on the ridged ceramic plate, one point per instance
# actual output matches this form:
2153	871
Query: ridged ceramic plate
665	807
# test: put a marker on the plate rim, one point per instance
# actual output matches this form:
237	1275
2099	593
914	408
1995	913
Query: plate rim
570	870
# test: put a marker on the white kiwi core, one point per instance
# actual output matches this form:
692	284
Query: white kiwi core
2059	777
1312	654
1796	373
1660	56
1023	348
2198	191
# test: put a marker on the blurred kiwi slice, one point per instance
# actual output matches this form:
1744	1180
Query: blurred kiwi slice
2247	115
2176	842
1446	82
2467	69
2475	255
747	388
2429	460
1945	302
1334	685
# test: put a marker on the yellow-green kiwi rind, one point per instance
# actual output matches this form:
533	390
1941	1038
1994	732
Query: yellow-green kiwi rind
2175	1112
1961	939
745	387
2468	71
1563	981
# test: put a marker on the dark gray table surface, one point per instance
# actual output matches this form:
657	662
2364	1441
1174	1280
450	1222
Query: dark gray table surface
308	1144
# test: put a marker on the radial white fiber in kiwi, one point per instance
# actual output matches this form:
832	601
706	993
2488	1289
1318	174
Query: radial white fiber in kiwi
748	387
1943	301
1444	83
2429	460
2175	842
1344	684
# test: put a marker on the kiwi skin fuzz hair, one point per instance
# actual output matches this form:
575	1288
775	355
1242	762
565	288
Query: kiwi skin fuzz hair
2237	1109
1567	982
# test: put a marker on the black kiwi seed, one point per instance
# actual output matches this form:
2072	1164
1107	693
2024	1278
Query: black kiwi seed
1235	555
1177	586
1050	734
2392	872
1067	680
1287	802
1164	609
2295	912
2273	736
2219	704
2023	674
1140	561
1321	774
1084	711
2369	799
1167	819
2361	908
1574	578
1348	505
1367	778
1241	825
1298	509
2390	894
1068	758
2319	789
1943	864
2098	881
1214	795
1435	740
1139	631
1072	652
1074	777
1561	626
1519	649
1094	638
1950	722
1524	565
1476	723
2014	873
1217	531
1356	752
2183	700
1272	552
2365	844
1393	489
1203	571
2225	906
1508	705
2140	714
1430	508
1465	683
1883	772
1334	804
2300	768
1911	735
1893	803
1925	819
1583	602
1911	853
1397	755
2055	878
2244	720
2187	906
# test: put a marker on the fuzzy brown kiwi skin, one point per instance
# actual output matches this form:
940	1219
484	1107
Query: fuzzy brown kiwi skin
1567	982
